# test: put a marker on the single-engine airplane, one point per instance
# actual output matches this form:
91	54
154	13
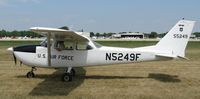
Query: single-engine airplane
68	49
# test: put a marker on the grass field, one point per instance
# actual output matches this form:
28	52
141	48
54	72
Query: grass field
177	79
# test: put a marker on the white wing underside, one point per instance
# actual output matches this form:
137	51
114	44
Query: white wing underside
59	33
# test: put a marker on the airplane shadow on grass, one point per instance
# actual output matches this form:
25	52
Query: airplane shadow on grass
157	76
52	84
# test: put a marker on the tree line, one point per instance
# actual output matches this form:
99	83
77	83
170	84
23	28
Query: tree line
197	34
15	33
148	35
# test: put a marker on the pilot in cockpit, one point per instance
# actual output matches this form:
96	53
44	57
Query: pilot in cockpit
60	45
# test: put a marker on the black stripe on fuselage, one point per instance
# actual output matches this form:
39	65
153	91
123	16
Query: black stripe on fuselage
26	48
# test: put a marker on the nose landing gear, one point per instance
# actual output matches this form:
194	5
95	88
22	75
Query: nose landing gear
31	74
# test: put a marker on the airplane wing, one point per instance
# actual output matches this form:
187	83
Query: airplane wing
59	33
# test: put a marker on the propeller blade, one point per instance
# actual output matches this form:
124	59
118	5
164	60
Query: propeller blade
20	63
15	59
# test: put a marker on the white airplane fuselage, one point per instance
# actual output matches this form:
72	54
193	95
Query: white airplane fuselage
78	58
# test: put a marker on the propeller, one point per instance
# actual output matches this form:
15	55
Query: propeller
11	51
20	63
15	59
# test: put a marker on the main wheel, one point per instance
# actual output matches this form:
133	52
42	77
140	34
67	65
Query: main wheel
30	75
67	77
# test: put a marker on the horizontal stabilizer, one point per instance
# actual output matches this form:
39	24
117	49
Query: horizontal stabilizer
171	56
183	57
166	56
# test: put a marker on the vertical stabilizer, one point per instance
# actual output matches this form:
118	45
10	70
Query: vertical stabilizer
175	41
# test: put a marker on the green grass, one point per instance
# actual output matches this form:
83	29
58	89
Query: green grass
177	79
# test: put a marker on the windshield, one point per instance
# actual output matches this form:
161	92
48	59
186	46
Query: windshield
44	43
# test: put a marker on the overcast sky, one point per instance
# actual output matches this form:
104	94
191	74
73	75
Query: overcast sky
98	15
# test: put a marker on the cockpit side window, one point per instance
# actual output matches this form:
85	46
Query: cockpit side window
63	45
69	45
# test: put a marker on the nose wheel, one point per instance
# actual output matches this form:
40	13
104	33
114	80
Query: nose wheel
31	74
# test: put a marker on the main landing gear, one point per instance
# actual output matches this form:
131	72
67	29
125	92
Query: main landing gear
31	74
68	75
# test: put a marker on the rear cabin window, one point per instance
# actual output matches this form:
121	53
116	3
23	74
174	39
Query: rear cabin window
69	45
83	46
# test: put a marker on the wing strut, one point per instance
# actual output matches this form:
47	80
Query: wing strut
49	48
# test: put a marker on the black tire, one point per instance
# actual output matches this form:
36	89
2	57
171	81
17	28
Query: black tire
67	77
30	75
